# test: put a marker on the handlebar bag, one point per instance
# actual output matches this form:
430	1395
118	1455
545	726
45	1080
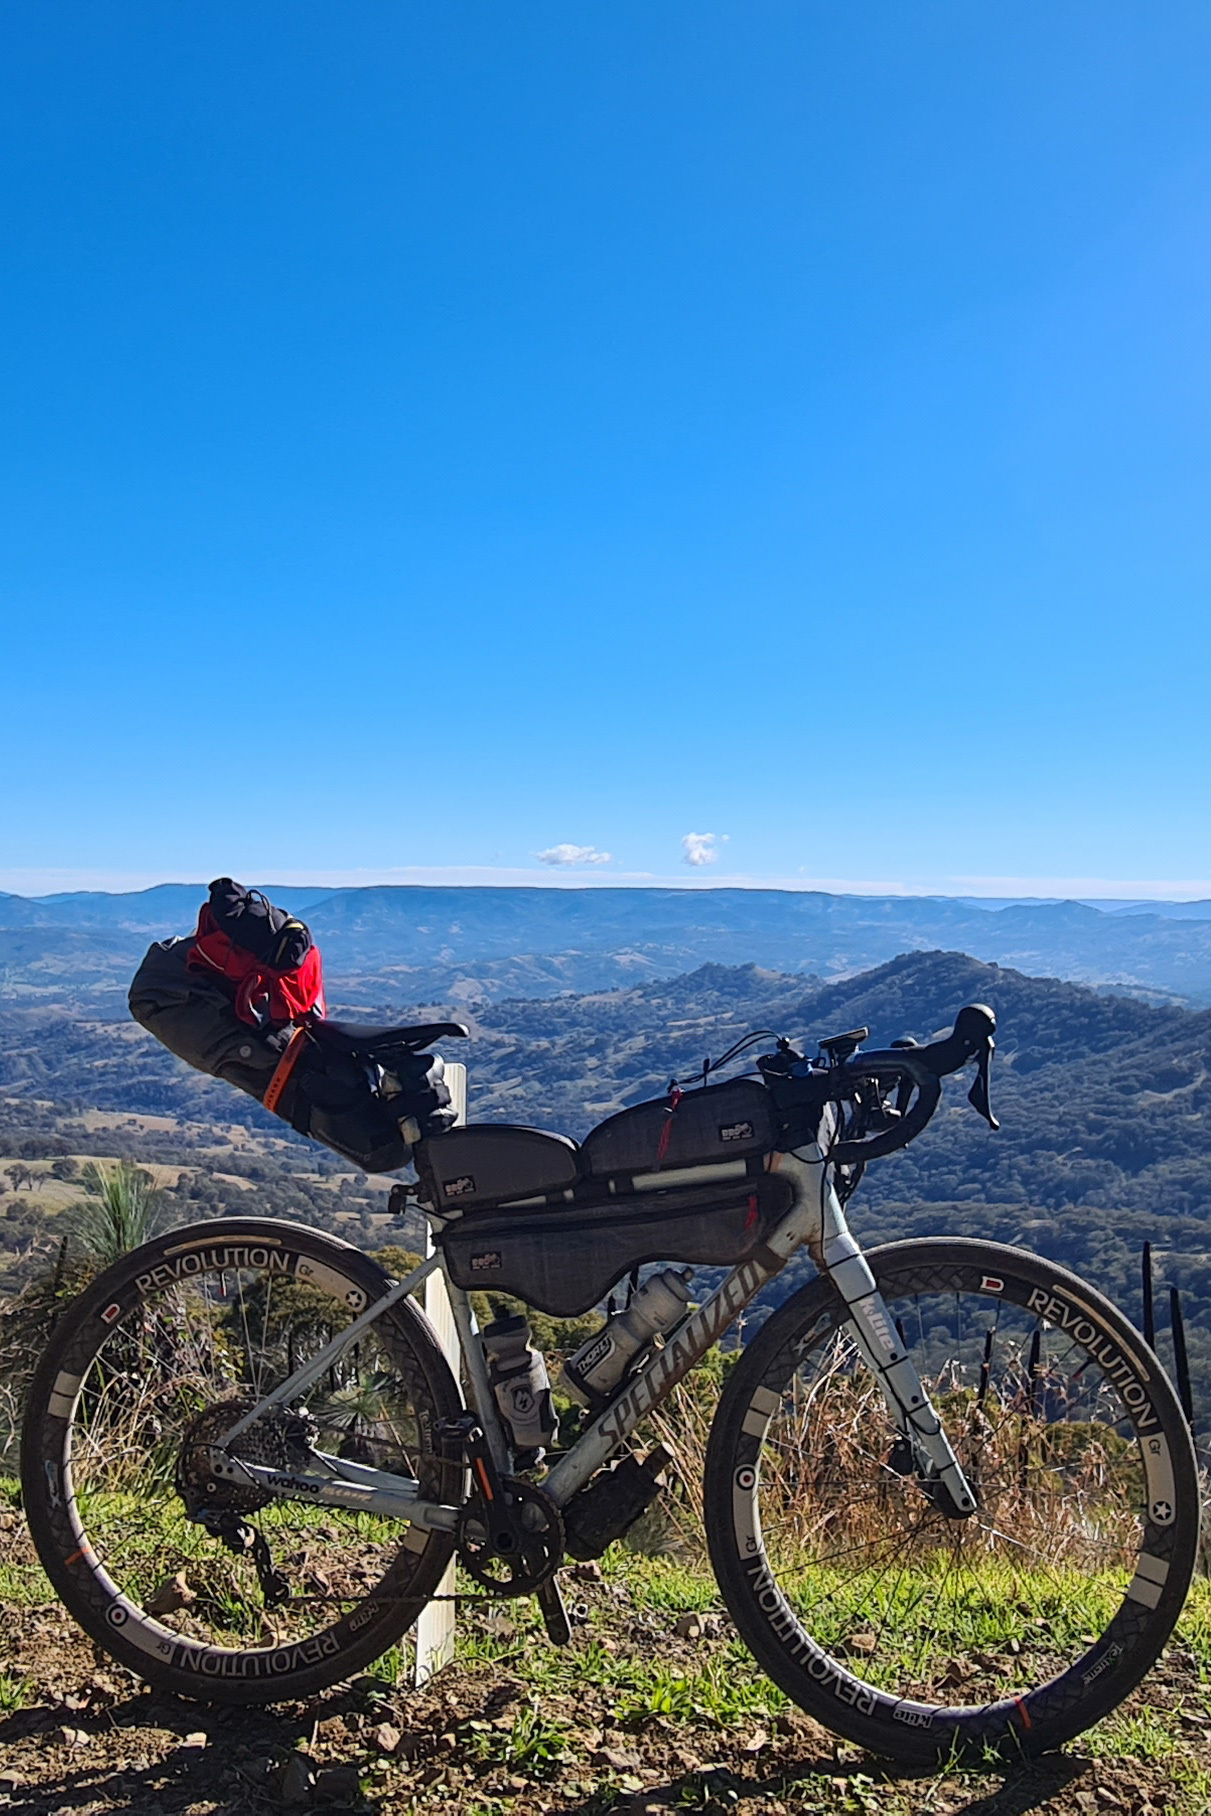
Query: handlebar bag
719	1123
564	1259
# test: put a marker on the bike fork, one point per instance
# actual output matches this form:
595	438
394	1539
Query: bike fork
881	1348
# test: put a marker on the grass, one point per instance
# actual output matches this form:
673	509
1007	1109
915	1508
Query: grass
665	1584
1144	1734
728	1690
22	1586
14	1693
628	1676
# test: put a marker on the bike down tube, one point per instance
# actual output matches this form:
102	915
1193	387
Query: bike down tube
686	1346
817	1219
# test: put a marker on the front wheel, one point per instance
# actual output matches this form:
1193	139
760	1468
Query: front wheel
919	1635
150	1366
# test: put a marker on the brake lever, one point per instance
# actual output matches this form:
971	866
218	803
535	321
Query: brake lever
977	1097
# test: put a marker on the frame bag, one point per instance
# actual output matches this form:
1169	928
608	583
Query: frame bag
564	1259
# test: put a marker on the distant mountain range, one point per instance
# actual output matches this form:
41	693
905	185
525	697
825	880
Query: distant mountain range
479	945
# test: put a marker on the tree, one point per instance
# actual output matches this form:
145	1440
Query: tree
20	1175
119	1213
65	1167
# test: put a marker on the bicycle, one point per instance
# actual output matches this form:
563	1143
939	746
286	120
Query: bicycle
950	1498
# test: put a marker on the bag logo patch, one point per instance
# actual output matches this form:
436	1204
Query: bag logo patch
490	1262
736	1131
459	1188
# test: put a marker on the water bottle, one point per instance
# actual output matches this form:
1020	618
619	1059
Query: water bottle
519	1379
598	1365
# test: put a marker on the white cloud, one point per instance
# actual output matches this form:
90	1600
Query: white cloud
699	848
564	856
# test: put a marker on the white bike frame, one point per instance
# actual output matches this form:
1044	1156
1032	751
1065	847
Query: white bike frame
816	1218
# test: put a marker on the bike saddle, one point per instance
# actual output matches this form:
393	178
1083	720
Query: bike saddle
358	1037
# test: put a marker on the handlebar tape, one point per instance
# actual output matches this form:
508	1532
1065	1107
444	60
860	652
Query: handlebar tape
892	1066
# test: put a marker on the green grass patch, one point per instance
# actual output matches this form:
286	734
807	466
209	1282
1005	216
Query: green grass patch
663	1584
1194	1628
23	1586
728	1690
1145	1734
14	1693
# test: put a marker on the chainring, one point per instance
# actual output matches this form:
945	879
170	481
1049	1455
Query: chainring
519	1552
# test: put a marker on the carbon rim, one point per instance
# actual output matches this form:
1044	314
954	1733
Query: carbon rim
200	1321
1021	1620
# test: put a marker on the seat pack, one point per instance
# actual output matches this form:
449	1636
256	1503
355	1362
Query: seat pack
265	954
242	1000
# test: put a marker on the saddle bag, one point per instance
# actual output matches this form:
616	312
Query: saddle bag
221	1013
564	1259
720	1123
194	1016
265	954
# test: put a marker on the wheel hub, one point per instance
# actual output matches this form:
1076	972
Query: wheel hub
280	1440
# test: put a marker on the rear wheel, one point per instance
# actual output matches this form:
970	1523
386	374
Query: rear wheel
156	1360
913	1633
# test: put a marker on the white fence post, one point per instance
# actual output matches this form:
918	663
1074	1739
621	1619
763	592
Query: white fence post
435	1628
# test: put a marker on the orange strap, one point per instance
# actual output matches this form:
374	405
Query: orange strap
285	1066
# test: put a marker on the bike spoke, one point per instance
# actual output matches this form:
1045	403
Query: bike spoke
1049	1448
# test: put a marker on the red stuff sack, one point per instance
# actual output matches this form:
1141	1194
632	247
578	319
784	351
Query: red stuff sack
266	956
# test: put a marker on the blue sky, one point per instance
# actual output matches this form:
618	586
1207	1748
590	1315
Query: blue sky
434	436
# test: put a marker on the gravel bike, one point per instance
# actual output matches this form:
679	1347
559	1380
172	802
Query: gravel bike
950	1498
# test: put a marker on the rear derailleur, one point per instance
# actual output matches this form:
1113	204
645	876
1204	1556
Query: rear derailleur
216	1499
224	1524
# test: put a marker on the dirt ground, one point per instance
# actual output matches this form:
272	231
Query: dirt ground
649	1711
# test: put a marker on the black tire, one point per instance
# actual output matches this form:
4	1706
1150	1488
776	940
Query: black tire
921	1637
200	1316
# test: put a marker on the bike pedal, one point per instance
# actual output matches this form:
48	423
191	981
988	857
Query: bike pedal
554	1613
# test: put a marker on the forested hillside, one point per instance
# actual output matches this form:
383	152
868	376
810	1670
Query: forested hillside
1105	1106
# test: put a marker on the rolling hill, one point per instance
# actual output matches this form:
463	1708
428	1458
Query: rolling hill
1105	1104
